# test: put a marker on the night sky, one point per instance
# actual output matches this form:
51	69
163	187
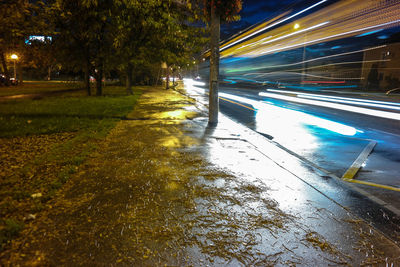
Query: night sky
255	11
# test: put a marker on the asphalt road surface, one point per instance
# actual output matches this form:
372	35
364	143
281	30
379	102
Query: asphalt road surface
329	137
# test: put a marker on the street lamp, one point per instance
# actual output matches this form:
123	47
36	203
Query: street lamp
15	58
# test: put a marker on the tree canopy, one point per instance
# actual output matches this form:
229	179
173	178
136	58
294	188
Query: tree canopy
17	20
228	10
98	37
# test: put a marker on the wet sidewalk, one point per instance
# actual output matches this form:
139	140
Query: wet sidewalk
165	189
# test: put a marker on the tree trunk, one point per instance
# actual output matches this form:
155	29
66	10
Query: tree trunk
4	64
214	67
49	73
87	77
99	83
157	79
104	75
167	80
129	78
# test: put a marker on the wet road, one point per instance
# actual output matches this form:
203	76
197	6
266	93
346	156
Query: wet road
331	139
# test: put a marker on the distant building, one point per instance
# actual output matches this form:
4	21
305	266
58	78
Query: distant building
381	68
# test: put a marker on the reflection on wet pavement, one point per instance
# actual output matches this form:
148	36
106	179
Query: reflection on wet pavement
166	190
313	214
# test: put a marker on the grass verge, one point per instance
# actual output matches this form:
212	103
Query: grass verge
43	142
39	87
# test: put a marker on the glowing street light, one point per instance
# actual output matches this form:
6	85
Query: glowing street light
15	58
296	26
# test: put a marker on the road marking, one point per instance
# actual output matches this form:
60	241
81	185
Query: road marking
372	184
355	167
233	102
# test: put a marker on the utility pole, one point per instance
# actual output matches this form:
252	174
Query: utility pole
214	67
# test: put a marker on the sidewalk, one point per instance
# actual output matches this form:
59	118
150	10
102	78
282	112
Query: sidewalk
166	190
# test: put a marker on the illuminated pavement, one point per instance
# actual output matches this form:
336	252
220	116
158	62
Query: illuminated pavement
301	77
164	189
332	138
304	79
319	138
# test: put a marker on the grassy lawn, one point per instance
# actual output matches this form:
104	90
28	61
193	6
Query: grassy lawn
58	114
39	87
43	142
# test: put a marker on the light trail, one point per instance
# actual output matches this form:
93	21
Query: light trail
272	25
261	106
296	32
191	86
307	61
191	82
360	110
335	82
347	18
261	74
340	98
350	102
348	62
332	78
335	64
325	57
331	37
298	116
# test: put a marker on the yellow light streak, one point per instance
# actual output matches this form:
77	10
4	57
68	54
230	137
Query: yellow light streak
346	18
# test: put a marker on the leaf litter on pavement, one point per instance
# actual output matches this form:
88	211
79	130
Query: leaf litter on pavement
22	182
140	200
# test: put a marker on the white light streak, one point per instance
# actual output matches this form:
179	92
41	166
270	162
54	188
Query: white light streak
365	111
297	115
328	37
349	62
191	82
296	32
352	102
339	97
325	57
191	85
272	25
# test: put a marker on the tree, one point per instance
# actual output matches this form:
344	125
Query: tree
183	38
134	24
83	36
40	56
151	32
17	20
216	11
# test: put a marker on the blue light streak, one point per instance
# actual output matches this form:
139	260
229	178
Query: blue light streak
369	33
298	116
